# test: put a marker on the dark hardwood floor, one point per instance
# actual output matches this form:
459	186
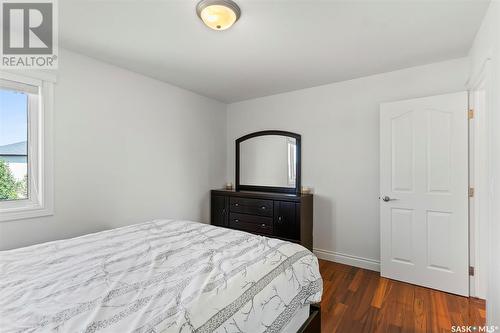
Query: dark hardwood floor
359	300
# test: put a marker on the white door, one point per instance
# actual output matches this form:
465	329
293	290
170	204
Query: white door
424	192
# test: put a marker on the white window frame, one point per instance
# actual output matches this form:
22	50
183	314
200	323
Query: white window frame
40	200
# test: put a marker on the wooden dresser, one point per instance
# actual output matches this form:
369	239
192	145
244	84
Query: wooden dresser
279	215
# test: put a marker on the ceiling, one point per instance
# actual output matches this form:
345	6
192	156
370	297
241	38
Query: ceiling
276	46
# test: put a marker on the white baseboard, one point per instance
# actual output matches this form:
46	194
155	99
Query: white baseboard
347	259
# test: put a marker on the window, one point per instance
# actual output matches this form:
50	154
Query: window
14	142
26	188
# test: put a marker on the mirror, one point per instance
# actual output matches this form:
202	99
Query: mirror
268	160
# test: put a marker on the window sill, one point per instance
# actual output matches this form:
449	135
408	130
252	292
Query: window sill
27	212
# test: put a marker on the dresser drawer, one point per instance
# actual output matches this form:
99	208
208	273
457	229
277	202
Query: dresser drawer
251	223
252	206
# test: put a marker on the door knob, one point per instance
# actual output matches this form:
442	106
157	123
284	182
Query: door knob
386	198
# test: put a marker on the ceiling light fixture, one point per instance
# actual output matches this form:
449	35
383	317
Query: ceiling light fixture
218	14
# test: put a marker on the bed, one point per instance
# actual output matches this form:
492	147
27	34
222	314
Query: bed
160	276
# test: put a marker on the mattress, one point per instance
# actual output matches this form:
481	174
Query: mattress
298	319
160	276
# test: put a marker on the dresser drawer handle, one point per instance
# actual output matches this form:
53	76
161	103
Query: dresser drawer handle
280	219
236	205
236	220
263	225
263	207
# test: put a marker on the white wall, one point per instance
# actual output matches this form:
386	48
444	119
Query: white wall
127	149
487	46
339	124
264	161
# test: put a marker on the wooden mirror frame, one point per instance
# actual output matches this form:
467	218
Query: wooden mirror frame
240	187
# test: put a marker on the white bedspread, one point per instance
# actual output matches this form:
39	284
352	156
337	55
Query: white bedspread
161	276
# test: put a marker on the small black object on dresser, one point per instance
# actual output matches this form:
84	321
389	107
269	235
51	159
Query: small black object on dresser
279	215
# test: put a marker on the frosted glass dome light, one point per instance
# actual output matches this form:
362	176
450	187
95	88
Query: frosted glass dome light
218	14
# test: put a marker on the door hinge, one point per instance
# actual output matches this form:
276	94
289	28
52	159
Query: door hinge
471	114
471	192
471	270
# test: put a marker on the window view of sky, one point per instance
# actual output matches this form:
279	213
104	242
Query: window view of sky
13	117
13	145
